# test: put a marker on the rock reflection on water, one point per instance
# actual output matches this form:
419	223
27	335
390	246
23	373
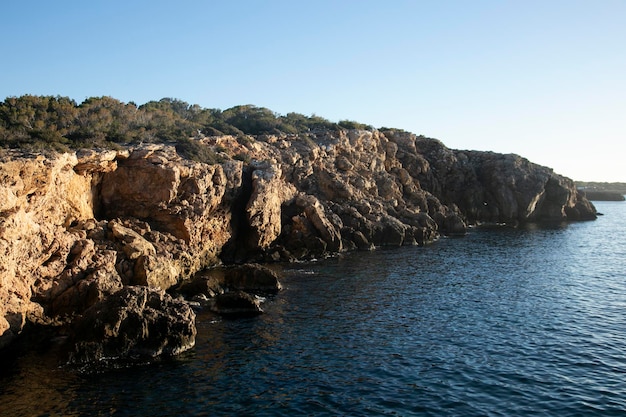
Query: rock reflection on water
34	384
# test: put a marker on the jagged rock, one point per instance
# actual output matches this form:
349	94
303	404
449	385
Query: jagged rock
156	272
134	323
328	231
453	225
91	160
389	231
188	204
42	197
583	210
79	290
135	246
236	304
263	210
75	228
491	187
359	240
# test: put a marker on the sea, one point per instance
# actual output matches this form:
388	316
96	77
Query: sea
527	321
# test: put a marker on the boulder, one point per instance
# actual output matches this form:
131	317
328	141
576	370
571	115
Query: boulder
134	323
361	241
252	278
236	304
389	231
315	213
205	283
155	272
86	292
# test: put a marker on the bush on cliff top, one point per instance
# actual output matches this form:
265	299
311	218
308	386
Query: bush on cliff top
39	123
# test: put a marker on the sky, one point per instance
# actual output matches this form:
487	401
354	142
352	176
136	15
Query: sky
542	79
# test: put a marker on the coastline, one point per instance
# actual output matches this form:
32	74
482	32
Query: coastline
80	227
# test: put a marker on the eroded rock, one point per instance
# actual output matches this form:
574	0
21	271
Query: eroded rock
134	323
76	229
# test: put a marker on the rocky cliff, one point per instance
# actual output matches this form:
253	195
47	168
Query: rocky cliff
76	228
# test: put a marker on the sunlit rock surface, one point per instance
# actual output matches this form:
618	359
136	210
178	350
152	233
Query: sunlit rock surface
78	228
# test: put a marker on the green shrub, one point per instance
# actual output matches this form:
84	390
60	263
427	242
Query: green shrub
196	151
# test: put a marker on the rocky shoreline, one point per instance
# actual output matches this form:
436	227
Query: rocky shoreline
105	246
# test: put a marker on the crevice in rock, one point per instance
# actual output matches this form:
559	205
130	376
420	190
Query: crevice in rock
96	199
236	249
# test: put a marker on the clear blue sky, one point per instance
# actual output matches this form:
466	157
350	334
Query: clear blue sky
545	79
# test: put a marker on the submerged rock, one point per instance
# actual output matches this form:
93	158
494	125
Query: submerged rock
134	323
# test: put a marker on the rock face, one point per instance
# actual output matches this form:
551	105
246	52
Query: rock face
491	187
78	229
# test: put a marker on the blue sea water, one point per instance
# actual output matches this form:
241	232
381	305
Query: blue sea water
502	322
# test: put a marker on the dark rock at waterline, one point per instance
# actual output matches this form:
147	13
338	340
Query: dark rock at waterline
236	304
253	278
134	323
207	283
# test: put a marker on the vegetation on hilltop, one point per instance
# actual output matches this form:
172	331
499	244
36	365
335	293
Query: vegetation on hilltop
54	123
617	187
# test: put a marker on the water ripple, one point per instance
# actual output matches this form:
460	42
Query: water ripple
504	322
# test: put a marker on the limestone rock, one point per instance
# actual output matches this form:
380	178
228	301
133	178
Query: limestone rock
263	210
90	278
207	283
75	229
187	205
42	197
92	160
135	246
491	187
315	213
